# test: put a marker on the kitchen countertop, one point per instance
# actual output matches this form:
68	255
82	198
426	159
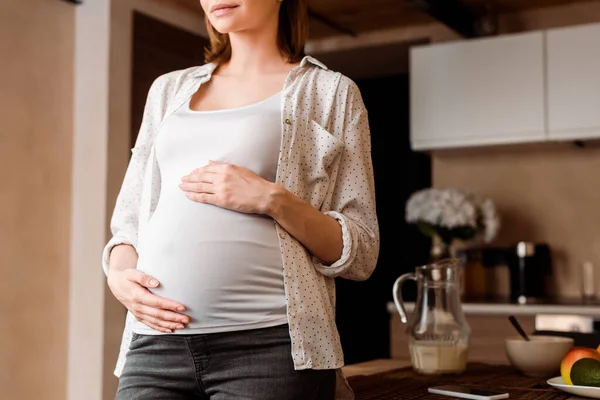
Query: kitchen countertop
500	306
374	367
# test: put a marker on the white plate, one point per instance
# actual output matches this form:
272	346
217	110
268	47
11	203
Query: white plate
584	391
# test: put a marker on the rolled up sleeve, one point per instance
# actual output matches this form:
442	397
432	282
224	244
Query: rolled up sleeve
353	197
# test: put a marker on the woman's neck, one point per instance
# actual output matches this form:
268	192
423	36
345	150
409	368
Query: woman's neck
255	53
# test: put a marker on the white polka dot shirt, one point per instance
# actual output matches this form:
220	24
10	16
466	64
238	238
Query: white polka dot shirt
325	159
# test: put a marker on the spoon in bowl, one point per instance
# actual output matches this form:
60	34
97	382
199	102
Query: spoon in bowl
518	327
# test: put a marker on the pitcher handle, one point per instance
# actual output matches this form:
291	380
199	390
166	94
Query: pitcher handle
397	292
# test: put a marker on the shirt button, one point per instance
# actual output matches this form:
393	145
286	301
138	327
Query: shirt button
284	159
289	274
282	235
288	122
292	314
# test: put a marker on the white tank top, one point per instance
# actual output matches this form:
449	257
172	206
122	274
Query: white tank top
224	266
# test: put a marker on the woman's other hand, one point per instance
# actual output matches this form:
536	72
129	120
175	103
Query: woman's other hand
229	186
130	287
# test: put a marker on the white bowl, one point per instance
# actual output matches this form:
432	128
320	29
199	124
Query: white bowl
539	357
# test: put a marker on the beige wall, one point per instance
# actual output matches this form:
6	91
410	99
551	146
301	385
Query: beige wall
88	204
36	110
54	107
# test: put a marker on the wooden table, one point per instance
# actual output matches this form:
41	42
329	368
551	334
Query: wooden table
390	379
374	367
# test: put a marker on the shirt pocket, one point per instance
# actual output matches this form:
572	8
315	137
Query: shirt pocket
318	160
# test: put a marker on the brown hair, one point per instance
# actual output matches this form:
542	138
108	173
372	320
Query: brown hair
291	37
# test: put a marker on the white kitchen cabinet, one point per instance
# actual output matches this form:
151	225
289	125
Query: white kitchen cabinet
573	81
478	92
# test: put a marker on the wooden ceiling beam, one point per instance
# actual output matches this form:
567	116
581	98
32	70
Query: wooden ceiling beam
333	25
453	14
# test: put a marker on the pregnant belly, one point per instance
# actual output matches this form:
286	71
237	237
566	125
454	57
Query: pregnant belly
224	266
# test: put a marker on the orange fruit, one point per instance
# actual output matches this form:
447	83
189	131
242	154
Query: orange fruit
574	355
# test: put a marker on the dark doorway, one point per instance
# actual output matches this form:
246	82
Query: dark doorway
158	48
362	317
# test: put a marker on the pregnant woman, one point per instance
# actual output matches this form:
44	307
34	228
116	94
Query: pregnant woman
250	188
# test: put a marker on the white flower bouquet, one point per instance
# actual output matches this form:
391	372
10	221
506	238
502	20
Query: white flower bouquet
453	214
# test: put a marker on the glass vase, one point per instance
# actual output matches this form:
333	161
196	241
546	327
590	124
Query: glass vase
440	250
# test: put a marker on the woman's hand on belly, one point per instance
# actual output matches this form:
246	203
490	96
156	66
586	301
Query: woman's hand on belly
239	189
129	286
228	186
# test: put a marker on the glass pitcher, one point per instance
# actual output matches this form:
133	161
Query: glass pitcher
438	333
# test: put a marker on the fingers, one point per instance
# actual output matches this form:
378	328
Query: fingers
208	172
153	311
156	327
156	324
202	197
177	320
197	187
143	279
143	296
148	299
157	317
204	174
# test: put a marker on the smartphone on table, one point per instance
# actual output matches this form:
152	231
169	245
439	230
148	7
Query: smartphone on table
469	393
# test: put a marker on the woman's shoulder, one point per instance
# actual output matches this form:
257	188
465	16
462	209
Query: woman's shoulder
169	83
327	84
329	80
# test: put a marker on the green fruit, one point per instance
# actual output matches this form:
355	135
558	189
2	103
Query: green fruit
586	372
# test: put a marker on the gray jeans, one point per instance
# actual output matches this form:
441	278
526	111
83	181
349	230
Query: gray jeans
246	365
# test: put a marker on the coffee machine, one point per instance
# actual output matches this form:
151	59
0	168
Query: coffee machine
529	265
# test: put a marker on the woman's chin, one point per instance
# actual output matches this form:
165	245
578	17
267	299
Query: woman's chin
224	27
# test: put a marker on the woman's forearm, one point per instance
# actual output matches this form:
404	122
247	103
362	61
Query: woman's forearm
123	257
319	233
